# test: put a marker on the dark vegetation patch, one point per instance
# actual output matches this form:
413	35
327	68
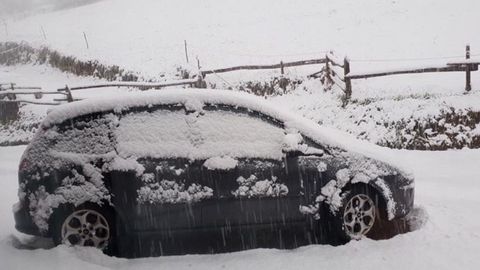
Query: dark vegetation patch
14	53
453	129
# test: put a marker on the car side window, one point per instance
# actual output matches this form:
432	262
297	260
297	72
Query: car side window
159	133
238	134
90	134
213	132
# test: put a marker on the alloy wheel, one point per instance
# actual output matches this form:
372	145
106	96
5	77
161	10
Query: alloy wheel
359	216
86	228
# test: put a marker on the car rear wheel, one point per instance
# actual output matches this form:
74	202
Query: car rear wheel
87	225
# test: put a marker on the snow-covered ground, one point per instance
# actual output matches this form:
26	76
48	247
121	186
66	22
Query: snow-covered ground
447	188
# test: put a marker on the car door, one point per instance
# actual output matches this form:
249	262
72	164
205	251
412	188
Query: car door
310	162
256	187
162	189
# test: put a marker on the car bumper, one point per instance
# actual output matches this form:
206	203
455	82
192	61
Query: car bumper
23	220
404	198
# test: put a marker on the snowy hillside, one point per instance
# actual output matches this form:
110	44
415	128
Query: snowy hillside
151	33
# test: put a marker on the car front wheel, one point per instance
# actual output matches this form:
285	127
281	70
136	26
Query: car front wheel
361	214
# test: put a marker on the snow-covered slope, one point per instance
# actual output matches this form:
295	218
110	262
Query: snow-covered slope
148	35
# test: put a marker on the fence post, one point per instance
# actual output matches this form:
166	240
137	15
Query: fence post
282	71
43	32
86	40
186	50
8	111
69	94
468	85
348	81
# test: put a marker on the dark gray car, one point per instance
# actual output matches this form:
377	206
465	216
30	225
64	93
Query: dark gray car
186	171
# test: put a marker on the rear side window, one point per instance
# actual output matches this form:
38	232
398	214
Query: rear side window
161	133
166	133
92	134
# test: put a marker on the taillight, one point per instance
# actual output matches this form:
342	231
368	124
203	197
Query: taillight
24	164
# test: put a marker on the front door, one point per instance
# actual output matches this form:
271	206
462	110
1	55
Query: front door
249	172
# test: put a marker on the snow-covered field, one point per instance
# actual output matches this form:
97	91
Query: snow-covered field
448	237
148	36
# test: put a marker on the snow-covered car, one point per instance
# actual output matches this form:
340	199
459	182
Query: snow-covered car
121	172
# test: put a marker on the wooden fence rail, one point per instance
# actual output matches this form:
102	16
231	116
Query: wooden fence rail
133	84
466	66
411	71
281	65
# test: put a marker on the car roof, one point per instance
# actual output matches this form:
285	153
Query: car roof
195	99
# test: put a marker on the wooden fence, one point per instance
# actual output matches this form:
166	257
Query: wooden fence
9	101
280	66
9	105
330	77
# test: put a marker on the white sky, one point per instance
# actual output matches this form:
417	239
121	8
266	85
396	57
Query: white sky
8	7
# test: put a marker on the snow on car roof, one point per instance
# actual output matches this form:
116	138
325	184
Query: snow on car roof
195	98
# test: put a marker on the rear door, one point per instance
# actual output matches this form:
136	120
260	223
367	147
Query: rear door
162	188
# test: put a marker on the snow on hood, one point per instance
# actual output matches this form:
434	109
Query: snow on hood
325	136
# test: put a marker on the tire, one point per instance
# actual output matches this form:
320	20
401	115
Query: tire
86	225
362	214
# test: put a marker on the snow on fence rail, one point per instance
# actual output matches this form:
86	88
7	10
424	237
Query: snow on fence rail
9	92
